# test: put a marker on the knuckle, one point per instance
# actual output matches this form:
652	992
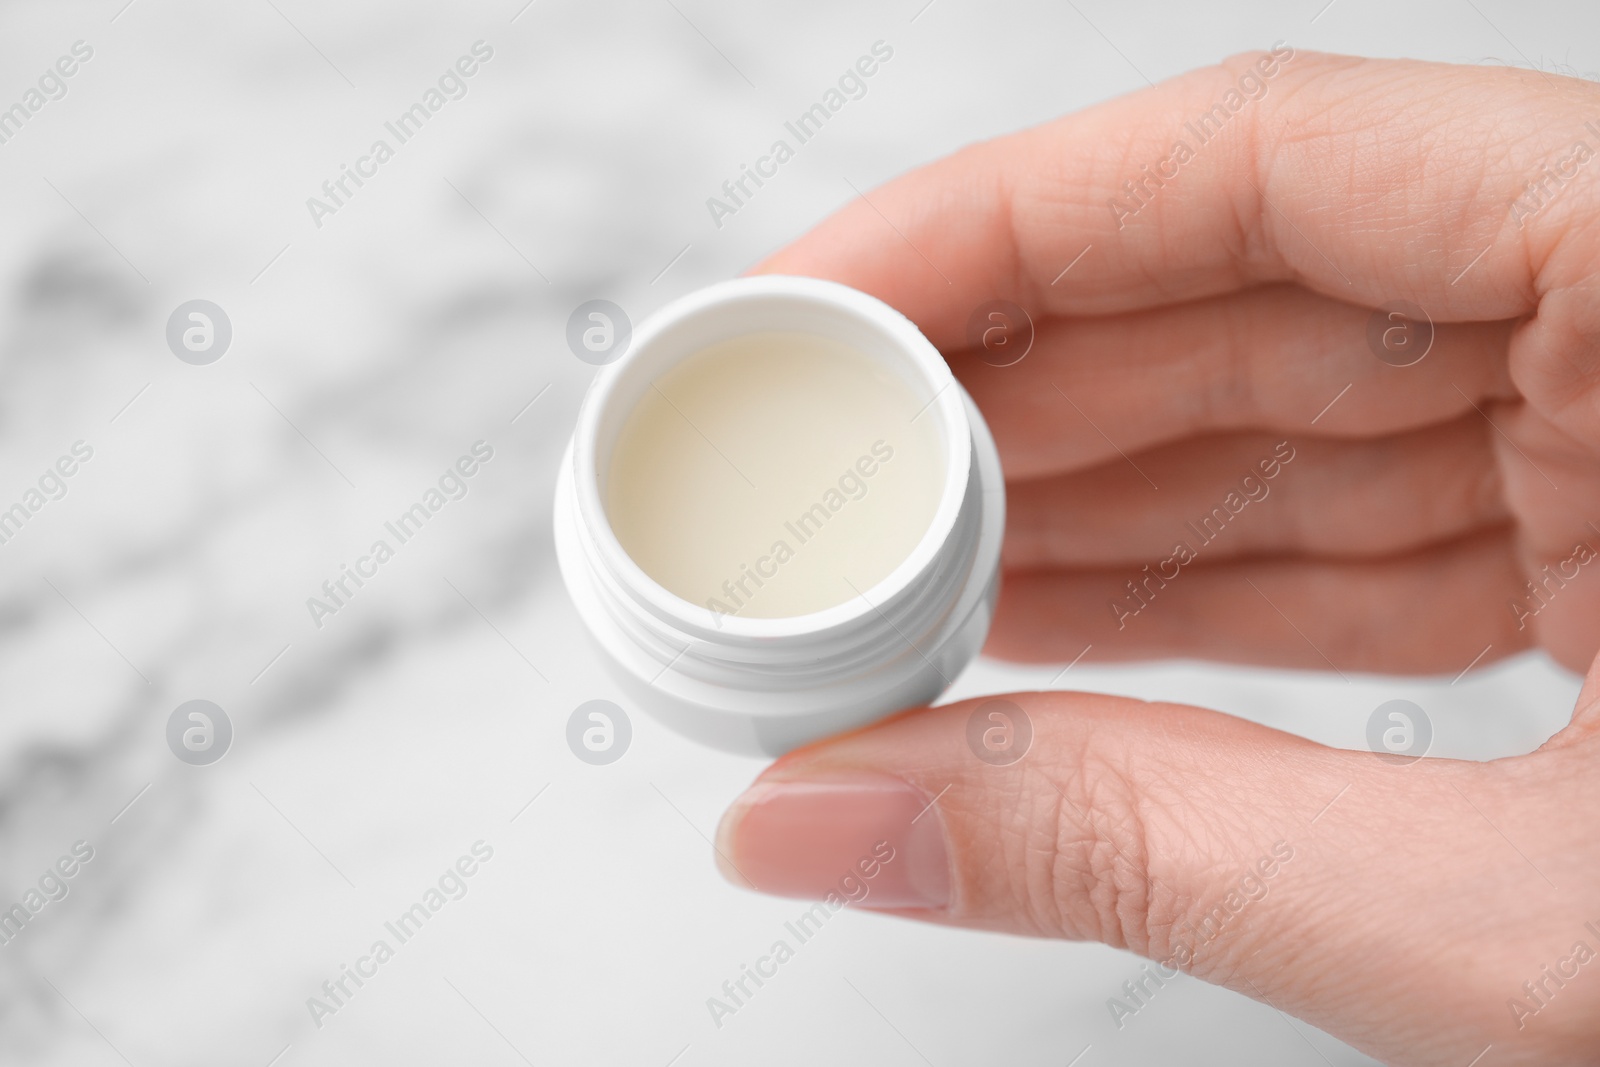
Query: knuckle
1087	875
1111	854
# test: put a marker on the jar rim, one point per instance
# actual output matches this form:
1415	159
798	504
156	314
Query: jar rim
914	353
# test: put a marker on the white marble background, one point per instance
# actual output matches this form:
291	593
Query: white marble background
367	355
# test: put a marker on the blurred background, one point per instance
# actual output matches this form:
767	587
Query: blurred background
374	343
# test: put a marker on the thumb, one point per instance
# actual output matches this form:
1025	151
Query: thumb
1322	881
1048	814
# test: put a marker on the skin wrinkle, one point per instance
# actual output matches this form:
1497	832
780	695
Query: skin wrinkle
1117	855
1026	201
1050	868
1430	140
1558	224
1207	834
1018	278
1154	829
1027	873
1080	880
1261	153
1210	826
1436	150
1328	69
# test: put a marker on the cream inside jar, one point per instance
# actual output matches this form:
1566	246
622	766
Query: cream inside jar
774	474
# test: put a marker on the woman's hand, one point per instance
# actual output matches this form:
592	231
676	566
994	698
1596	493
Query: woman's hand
1215	451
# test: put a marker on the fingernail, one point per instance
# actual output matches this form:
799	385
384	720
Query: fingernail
872	840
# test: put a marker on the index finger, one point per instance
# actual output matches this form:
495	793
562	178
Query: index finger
1365	180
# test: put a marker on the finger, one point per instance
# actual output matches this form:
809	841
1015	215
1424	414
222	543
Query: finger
1269	194
1552	485
1205	843
1361	180
1272	358
1583	732
1267	495
1436	611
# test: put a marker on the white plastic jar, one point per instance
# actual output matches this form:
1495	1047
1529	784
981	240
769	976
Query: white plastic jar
766	685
